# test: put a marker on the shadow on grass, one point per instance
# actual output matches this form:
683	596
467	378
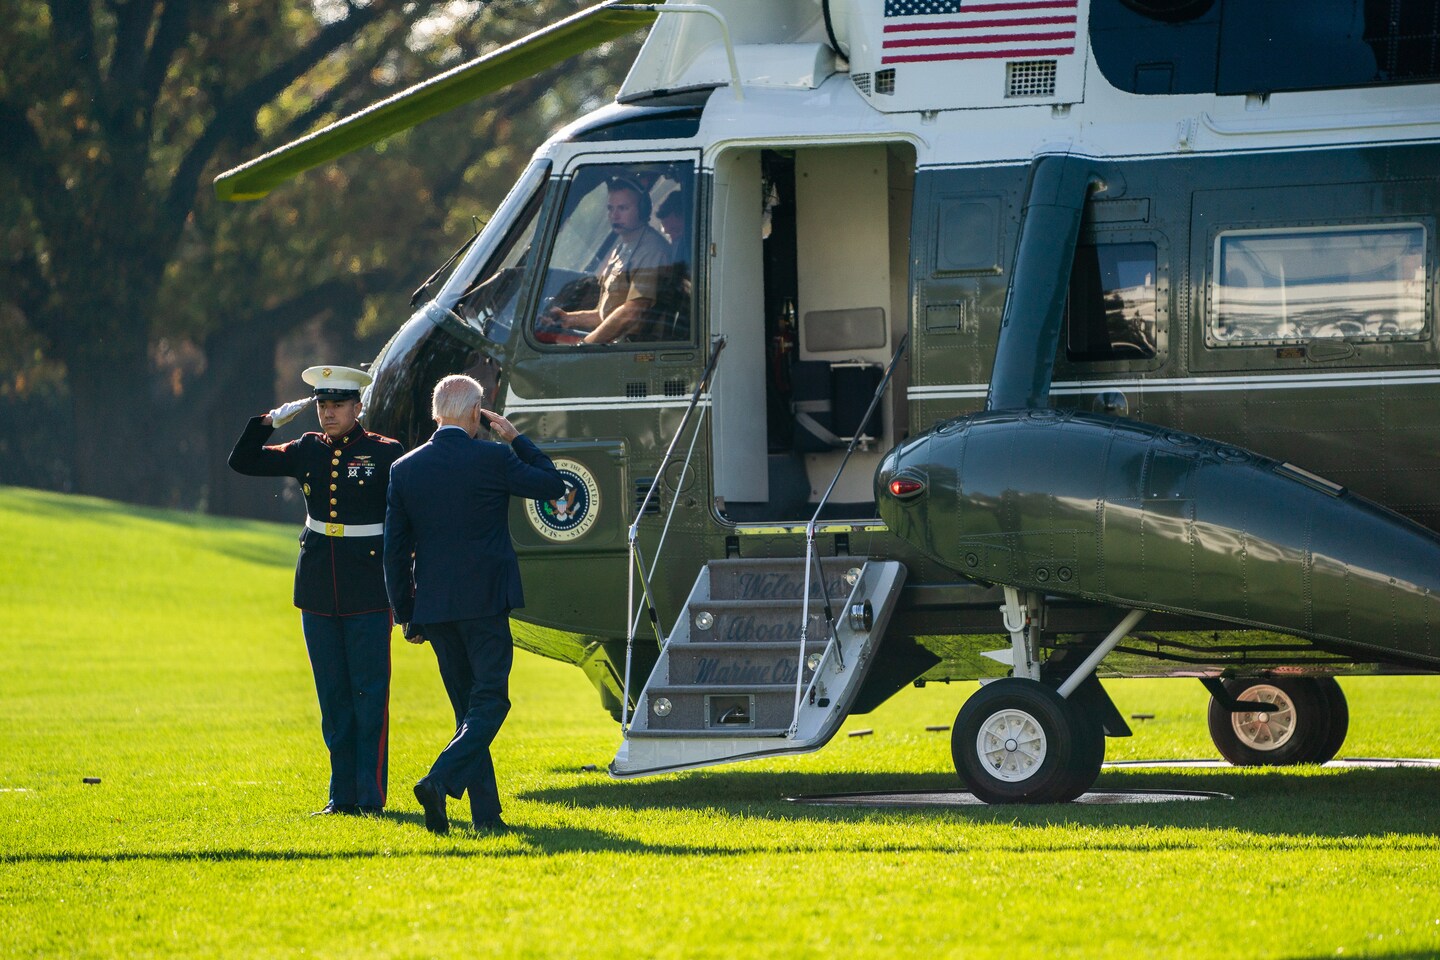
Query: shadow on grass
1288	809
521	841
123	516
1344	804
261	554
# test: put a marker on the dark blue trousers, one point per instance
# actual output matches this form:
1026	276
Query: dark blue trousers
350	657
474	658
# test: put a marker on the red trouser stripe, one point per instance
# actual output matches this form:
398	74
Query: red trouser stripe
384	729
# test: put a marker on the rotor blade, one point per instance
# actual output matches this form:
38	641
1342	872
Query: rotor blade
458	85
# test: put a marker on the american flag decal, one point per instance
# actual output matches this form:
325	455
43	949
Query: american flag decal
924	31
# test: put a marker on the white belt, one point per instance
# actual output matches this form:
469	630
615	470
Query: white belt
345	529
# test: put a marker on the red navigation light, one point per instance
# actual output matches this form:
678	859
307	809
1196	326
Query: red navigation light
905	487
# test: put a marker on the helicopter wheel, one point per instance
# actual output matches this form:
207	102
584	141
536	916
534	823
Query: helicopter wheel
1307	724
1018	741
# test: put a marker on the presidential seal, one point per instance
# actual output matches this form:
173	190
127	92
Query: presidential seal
570	517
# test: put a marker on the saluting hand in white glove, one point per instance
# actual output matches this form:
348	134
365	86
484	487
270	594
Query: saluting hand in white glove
286	412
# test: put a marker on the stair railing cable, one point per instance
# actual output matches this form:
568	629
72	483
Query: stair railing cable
637	561
832	644
638	609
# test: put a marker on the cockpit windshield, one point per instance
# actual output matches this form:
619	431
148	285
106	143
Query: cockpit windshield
619	271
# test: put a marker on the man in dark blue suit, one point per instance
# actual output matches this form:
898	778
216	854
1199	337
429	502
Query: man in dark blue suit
453	578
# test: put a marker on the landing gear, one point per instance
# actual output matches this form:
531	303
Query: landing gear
1304	721
1018	741
1021	740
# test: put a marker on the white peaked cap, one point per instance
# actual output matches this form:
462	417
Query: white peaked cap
333	380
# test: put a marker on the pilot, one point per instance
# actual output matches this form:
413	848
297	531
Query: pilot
343	472
630	275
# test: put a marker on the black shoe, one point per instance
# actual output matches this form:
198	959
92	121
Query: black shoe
492	826
433	802
332	809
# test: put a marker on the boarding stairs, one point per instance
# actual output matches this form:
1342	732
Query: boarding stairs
753	667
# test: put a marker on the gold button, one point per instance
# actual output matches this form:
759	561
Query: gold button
362	483
333	474
335	462
372	553
333	513
332	486
333	501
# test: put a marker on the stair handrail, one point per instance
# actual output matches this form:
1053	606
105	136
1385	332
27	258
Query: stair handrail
638	609
832	643
637	561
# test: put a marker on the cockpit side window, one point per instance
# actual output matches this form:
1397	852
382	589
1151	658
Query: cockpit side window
489	303
619	271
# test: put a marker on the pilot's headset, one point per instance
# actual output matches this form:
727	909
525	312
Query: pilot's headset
625	183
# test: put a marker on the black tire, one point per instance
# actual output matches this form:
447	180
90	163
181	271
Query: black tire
1337	717
1300	730
1047	756
1091	705
1089	753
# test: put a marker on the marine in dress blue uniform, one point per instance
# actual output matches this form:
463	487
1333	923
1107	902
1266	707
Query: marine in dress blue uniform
343	472
454	578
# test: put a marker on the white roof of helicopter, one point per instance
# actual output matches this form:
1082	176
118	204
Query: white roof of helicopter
992	81
963	111
938	54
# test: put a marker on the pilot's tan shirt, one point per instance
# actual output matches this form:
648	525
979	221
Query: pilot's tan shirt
632	272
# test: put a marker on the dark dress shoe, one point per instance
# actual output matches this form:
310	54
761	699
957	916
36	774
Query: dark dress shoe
337	809
492	826
433	803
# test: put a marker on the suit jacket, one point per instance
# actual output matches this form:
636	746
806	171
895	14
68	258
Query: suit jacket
344	482
448	506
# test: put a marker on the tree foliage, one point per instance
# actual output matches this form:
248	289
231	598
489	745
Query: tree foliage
155	310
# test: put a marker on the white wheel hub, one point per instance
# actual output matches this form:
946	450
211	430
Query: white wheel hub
1269	729
1011	745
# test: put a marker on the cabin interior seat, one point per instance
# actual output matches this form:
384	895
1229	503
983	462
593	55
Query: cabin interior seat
830	396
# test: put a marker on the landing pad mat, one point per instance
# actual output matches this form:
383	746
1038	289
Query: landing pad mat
1378	763
962	798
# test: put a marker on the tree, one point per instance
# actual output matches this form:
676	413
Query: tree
114	117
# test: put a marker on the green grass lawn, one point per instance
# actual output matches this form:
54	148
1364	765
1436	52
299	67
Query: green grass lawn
159	653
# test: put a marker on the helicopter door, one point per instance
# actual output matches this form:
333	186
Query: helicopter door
603	363
811	313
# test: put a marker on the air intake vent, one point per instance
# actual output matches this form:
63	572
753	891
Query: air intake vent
885	82
642	487
635	389
676	388
862	82
1030	78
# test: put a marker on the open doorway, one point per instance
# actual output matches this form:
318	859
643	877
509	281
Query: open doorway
812	313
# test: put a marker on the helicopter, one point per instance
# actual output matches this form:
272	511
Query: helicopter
1021	341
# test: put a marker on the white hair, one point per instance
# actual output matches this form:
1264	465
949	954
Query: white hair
455	396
